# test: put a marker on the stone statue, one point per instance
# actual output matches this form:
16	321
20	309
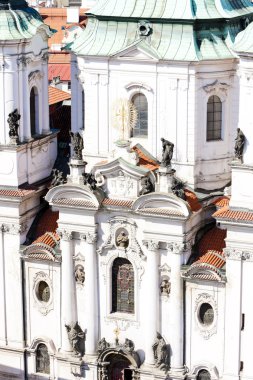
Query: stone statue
239	144
58	178
177	188
79	274
89	179
129	345
167	152
165	287
13	121
160	352
147	186
122	240
102	345
77	142
76	337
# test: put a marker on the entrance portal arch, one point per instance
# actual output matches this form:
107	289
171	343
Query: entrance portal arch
118	364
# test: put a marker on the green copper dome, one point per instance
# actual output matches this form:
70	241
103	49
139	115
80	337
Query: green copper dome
179	30
19	21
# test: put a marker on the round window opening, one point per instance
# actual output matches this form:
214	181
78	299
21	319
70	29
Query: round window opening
206	314
43	291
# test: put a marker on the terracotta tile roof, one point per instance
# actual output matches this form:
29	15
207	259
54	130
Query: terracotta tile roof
49	238
59	70
161	212
192	200
213	240
221	201
117	202
75	202
145	159
212	258
235	215
59	57
44	256
16	193
204	276
46	223
56	95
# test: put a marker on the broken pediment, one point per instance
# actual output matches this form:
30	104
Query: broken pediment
120	179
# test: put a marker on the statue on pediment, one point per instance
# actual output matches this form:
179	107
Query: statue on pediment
167	152
147	186
239	144
13	121
77	143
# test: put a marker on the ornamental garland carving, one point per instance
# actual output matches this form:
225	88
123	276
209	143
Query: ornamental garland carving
206	330
174	247
238	254
65	235
216	87
44	307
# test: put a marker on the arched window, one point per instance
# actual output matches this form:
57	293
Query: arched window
214	118
34	111
122	286
141	105
203	375
42	359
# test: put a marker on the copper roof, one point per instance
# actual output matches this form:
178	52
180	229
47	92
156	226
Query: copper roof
56	95
62	70
235	215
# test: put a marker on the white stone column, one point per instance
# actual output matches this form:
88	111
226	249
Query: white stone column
3	327
152	286
233	314
68	296
176	311
89	248
45	128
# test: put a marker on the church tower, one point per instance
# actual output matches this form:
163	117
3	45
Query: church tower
27	154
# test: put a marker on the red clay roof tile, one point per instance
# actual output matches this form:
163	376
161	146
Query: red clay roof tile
59	70
226	213
192	200
56	95
221	201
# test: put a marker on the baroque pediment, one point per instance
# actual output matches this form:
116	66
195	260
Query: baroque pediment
120	179
140	50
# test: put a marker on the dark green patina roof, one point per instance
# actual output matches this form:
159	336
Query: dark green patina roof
19	21
185	30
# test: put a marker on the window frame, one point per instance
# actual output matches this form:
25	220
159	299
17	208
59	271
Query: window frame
140	136
213	116
114	302
36	359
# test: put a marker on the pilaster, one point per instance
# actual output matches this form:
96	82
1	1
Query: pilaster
88	246
152	286
69	311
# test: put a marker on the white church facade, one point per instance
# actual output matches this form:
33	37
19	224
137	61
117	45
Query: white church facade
137	265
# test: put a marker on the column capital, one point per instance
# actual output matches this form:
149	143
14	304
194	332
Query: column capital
91	237
152	245
65	235
237	254
175	247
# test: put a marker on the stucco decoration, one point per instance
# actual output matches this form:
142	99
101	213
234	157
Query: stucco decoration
210	329
35	76
43	306
216	88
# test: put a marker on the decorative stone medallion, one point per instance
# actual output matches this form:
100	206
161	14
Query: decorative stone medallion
42	293
206	312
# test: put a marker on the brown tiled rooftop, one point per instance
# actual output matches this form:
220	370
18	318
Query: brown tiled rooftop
61	70
46	223
235	215
221	201
75	202
49	238
161	212
56	96
144	160
192	200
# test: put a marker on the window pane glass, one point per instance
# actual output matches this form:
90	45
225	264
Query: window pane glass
122	286
141	104
214	118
